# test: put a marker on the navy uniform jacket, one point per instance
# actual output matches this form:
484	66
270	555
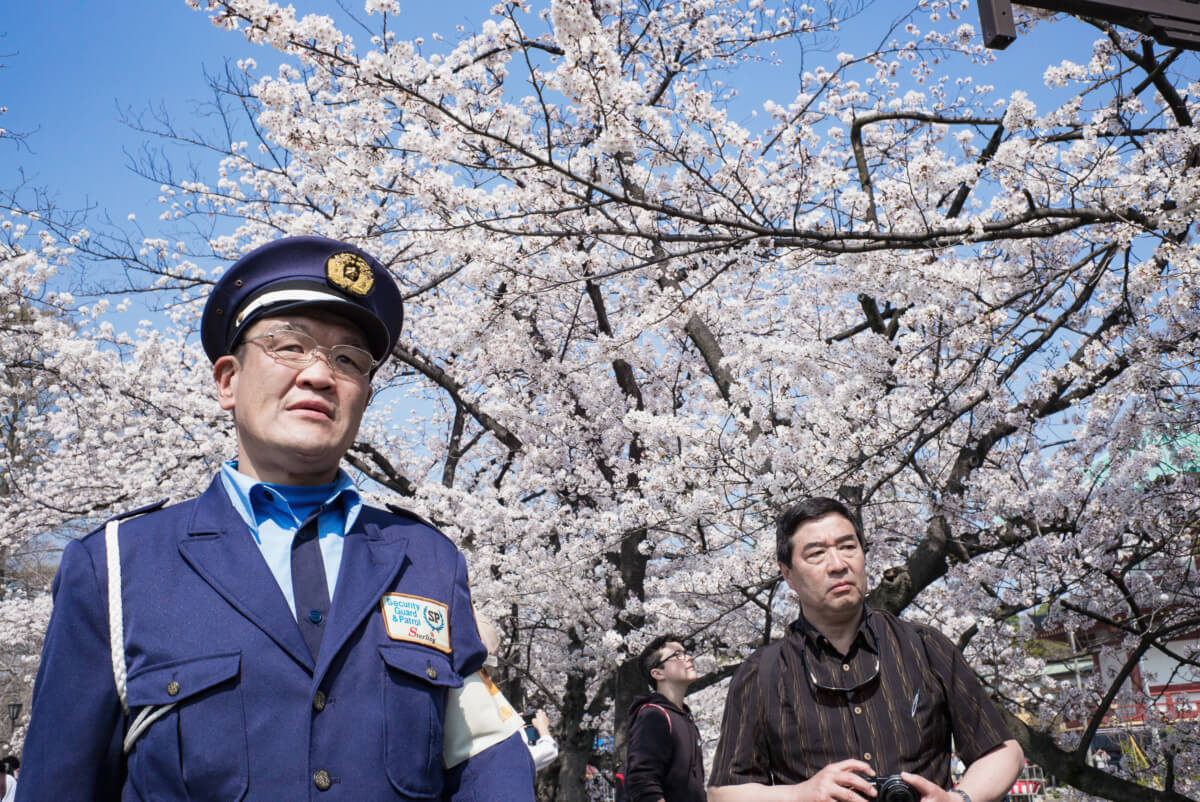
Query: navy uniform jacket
207	627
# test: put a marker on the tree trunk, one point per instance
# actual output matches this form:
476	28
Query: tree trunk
629	685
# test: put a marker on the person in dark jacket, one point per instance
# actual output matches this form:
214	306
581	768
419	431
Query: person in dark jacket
664	760
276	638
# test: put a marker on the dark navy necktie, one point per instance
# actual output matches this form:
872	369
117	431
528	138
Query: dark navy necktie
309	589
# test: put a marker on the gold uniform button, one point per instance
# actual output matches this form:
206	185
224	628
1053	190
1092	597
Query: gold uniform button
858	711
845	667
172	688
322	780
431	672
319	701
867	756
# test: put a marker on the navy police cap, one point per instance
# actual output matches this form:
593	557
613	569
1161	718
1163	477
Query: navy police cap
303	272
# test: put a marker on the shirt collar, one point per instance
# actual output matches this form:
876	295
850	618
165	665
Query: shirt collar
864	636
250	496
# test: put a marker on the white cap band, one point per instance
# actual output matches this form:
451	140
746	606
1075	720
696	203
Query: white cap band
283	296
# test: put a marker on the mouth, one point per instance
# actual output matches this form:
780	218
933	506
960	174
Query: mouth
316	407
841	587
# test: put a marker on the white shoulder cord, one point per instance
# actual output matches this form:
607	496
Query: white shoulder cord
116	641
116	618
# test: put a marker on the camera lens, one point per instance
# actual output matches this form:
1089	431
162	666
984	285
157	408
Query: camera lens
895	789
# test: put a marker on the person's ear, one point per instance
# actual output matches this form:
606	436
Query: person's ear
788	575
225	374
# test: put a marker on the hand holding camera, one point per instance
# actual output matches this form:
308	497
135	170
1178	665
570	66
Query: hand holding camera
537	724
893	789
923	789
832	781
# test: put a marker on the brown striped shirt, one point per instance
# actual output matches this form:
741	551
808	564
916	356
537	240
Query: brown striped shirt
897	719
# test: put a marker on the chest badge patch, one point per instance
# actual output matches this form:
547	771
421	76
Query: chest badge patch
417	620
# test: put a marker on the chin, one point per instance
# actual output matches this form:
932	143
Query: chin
848	603
304	459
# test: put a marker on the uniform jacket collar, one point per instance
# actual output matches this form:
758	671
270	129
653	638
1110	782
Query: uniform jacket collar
217	544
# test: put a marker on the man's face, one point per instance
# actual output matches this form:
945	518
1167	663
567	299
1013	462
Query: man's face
678	668
828	570
294	424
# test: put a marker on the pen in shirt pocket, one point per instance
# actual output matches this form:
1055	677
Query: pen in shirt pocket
916	701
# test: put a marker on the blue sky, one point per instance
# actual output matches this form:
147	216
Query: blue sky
68	69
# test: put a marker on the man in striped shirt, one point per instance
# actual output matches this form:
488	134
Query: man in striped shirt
852	693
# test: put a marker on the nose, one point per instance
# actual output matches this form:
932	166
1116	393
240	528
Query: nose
836	561
320	371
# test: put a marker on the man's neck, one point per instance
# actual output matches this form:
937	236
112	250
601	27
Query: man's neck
674	691
296	474
840	630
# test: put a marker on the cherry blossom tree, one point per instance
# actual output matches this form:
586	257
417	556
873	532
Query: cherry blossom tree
91	421
640	324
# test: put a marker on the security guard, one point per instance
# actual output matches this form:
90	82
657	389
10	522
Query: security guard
274	638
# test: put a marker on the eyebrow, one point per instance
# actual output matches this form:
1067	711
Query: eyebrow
839	540
299	324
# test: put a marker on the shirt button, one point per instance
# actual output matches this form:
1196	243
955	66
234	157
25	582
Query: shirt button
845	667
322	780
319	701
867	756
858	711
431	672
172	688
315	616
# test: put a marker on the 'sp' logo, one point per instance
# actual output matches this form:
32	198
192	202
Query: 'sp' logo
350	273
435	617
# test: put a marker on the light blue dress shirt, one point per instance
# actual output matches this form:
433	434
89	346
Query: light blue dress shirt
275	513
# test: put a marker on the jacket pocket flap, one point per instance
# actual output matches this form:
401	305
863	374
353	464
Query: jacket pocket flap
181	679
422	663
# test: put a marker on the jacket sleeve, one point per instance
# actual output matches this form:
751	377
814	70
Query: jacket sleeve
501	773
975	721
544	752
649	755
742	753
468	651
477	716
73	748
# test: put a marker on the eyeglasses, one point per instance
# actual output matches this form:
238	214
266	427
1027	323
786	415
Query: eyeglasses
812	677
686	655
295	348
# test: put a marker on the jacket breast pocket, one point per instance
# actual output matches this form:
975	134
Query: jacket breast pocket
196	750
416	680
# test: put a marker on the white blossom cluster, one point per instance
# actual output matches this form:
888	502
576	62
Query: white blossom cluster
638	327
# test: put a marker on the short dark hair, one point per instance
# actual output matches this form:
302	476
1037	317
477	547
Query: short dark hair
649	657
810	510
9	764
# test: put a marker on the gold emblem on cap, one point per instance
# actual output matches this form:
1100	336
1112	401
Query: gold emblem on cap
350	273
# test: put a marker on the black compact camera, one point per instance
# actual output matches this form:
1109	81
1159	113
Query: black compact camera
893	789
531	733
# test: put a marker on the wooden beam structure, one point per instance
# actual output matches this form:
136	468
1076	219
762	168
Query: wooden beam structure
1172	22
